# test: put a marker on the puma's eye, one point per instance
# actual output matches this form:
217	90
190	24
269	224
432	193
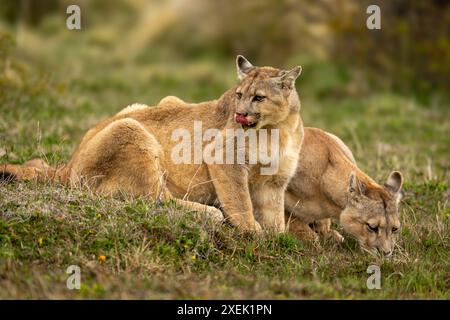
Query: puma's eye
238	95
371	229
394	229
258	98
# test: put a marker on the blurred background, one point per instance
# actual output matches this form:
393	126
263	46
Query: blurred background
385	92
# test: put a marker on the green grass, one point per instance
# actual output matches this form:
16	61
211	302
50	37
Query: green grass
55	90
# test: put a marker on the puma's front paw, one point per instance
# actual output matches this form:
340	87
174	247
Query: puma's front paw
215	214
337	236
257	227
252	227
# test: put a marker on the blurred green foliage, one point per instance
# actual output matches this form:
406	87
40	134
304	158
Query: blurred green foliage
410	54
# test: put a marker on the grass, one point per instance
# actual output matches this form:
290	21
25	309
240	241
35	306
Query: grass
53	91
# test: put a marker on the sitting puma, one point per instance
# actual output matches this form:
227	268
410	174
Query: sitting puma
328	184
131	152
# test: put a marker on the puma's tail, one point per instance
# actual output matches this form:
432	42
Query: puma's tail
35	169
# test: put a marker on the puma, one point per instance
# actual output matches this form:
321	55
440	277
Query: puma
131	152
328	184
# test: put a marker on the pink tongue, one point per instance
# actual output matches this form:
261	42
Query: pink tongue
241	119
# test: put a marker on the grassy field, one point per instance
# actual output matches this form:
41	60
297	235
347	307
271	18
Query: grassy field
52	91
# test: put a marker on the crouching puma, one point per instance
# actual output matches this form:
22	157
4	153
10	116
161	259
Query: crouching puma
133	152
328	184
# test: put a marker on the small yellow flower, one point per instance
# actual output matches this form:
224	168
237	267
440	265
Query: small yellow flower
101	259
194	257
40	242
98	216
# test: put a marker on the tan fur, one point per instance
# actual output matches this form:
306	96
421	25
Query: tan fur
320	190
133	107
170	100
131	153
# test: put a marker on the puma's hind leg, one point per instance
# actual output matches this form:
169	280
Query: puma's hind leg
297	212
124	158
323	227
299	229
293	217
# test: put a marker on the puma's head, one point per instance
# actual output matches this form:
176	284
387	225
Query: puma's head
265	95
371	214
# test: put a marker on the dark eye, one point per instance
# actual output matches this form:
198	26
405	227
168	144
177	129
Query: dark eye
238	95
394	229
258	98
372	229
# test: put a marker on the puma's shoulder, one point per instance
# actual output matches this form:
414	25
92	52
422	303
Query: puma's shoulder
344	148
170	100
324	162
131	108
175	101
166	101
325	146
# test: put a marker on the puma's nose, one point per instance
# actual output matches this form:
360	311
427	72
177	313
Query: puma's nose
385	251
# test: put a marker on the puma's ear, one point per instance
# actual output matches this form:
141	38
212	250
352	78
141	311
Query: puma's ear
288	77
394	182
243	66
355	187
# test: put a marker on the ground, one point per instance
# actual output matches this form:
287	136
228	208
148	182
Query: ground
133	248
